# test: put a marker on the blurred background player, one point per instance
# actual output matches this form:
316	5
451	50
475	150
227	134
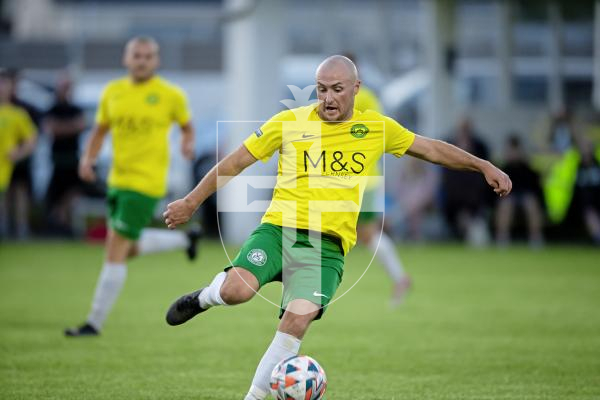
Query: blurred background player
17	141
20	191
139	111
369	222
64	123
526	196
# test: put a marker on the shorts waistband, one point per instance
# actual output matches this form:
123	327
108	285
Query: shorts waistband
324	236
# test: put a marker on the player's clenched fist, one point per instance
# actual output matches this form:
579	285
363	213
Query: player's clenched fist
498	180
178	212
86	171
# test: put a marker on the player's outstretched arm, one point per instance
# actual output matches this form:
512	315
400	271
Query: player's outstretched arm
92	148
442	153
180	211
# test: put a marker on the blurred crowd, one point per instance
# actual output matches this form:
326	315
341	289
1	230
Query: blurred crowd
556	180
555	196
20	125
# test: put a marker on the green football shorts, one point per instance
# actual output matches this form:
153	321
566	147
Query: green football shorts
129	212
309	267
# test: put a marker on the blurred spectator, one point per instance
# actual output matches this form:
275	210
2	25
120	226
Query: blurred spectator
465	194
64	123
587	187
525	195
561	135
419	183
21	186
17	141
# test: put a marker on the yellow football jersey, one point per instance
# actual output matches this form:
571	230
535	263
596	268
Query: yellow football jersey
365	100
15	127
140	116
324	167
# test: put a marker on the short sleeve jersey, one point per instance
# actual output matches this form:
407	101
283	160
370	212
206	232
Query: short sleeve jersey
140	116
324	167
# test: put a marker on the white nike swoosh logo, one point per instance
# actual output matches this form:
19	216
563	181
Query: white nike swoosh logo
319	294
304	136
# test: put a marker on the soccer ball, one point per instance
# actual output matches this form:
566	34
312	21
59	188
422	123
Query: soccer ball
298	378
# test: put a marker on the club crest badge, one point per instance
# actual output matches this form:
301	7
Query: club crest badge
257	257
359	131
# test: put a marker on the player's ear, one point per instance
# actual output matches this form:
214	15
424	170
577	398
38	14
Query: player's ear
357	86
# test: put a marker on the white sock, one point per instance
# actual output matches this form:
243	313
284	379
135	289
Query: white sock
283	346
109	286
211	296
388	257
256	394
157	240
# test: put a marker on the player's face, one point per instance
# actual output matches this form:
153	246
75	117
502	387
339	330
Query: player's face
335	92
141	59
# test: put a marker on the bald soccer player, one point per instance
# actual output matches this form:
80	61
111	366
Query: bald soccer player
304	246
139	111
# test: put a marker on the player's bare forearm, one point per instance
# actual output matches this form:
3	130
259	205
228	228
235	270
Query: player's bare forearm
180	211
445	154
92	148
187	141
220	174
29	146
94	143
23	150
450	156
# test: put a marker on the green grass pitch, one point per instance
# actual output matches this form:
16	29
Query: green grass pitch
488	324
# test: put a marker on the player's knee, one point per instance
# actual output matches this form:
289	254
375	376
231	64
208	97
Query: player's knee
239	286
235	294
295	324
298	317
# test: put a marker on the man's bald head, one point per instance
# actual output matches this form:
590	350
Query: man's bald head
337	84
338	65
144	41
141	57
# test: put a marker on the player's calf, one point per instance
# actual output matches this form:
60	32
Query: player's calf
294	323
